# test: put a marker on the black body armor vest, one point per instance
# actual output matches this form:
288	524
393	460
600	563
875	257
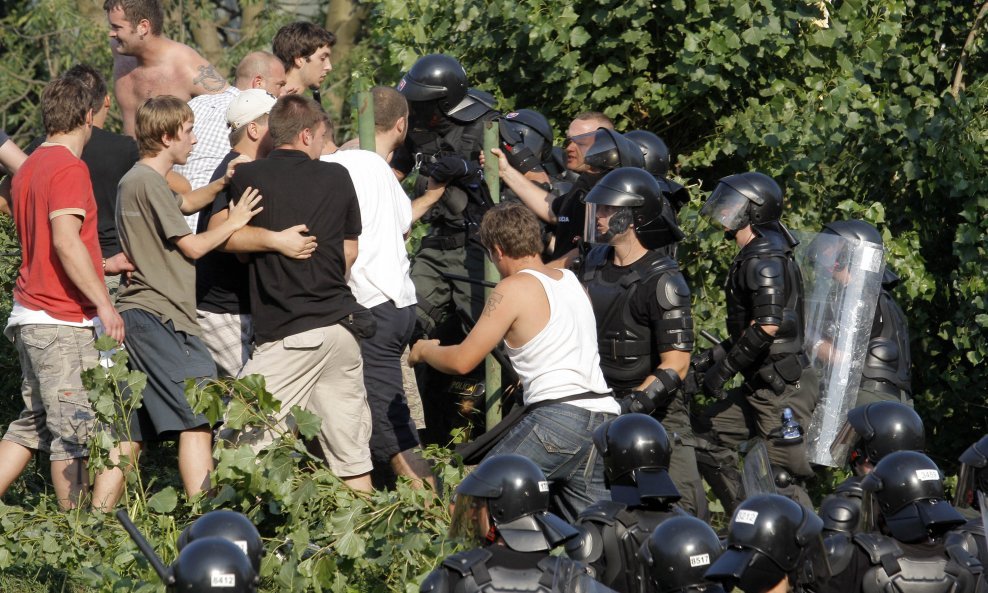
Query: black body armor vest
888	358
621	532
627	352
765	283
469	572
894	572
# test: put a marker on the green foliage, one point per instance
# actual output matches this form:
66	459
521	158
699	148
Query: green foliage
319	534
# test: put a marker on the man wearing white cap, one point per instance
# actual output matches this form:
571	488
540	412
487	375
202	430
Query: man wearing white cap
222	294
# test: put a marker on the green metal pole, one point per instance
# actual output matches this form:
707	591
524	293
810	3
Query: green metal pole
365	120
492	382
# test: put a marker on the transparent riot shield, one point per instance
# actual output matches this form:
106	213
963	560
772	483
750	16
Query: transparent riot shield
756	472
842	279
983	501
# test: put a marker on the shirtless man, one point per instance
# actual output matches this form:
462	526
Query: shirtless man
146	64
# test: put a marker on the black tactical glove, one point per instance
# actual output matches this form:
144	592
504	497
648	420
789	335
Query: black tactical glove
638	403
715	378
451	168
706	359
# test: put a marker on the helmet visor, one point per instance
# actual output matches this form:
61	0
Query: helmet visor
470	521
966	495
840	449
604	222
726	207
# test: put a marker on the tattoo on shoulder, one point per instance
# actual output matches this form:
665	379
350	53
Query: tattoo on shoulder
492	302
209	78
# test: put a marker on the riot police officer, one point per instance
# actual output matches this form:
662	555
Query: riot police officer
446	123
642	306
765	326
774	544
886	372
501	506
231	526
657	162
591	153
908	553
677	555
972	485
635	450
870	432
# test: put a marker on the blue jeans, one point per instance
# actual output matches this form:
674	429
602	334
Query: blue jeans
559	439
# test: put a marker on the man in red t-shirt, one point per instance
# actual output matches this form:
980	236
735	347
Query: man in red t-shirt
59	298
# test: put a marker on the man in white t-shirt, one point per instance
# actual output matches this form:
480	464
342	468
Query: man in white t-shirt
380	282
547	323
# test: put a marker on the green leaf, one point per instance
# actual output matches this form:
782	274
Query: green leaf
163	501
578	36
307	423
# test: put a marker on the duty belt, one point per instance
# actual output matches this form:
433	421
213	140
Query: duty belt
624	348
444	242
881	387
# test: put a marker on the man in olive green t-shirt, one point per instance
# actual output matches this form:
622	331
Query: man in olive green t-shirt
158	303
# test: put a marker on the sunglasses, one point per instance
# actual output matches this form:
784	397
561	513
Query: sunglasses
579	138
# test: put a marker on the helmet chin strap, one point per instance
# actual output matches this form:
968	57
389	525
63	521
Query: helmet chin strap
618	223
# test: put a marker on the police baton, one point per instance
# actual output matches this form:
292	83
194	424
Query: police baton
710	337
166	575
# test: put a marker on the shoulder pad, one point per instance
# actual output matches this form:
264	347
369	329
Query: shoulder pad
672	291
476	106
963	537
436	582
850	487
840	552
660	265
884	350
964	557
841	513
604	511
766	242
877	545
463	562
588	546
766	272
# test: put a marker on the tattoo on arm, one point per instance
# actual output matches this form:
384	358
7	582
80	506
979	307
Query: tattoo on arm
492	302
209	78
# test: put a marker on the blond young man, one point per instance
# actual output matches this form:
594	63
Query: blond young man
158	304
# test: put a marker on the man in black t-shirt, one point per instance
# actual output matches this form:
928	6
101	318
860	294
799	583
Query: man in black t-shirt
304	312
222	287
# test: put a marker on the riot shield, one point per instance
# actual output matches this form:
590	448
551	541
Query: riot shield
983	501
756	473
842	279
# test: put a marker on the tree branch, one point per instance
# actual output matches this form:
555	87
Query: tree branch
955	88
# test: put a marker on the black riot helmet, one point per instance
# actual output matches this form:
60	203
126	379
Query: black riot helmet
516	495
435	78
908	489
654	150
875	430
231	526
635	450
611	150
677	554
973	477
746	198
641	203
770	538
526	139
854	229
213	564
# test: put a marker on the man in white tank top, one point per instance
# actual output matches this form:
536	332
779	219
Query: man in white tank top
547	323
